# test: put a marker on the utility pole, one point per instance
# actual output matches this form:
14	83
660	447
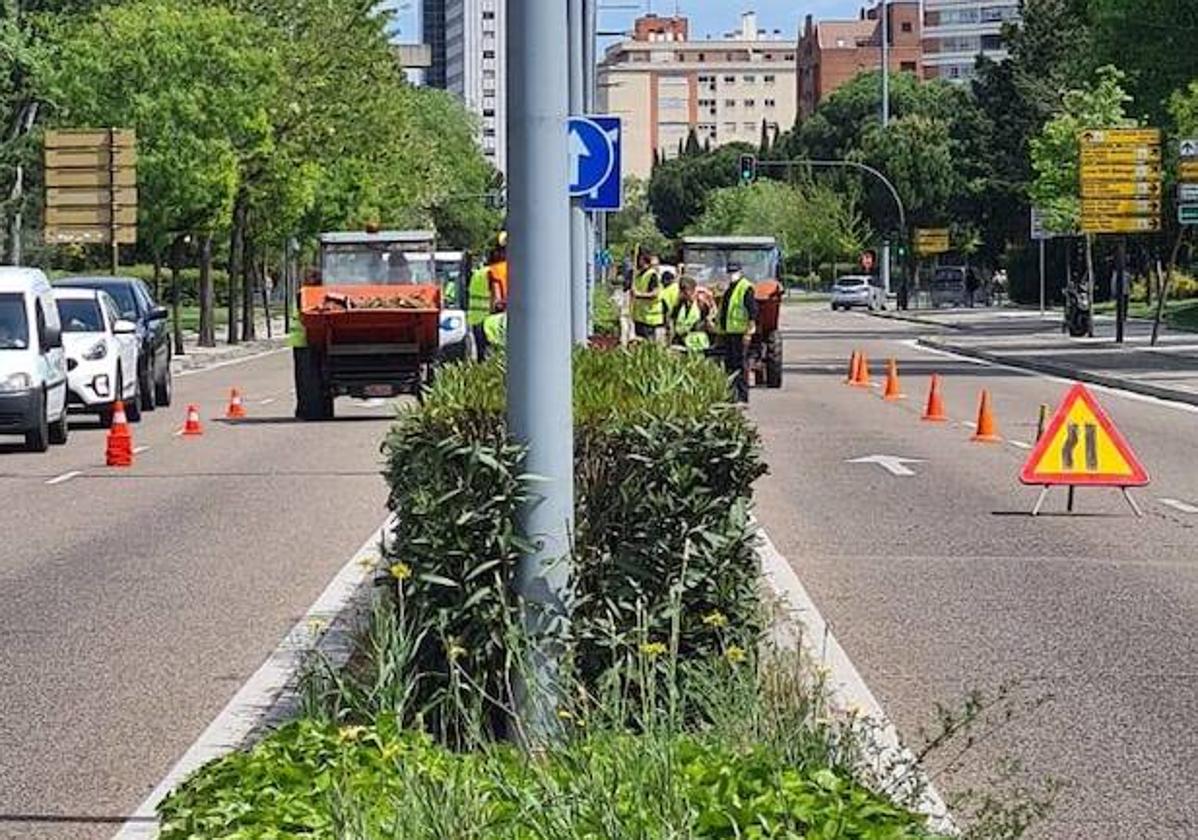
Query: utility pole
1120	289
885	124
540	413
578	216
590	81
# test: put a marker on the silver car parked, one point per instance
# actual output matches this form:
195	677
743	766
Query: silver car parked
857	290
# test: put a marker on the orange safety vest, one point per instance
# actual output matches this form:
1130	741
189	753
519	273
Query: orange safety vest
498	273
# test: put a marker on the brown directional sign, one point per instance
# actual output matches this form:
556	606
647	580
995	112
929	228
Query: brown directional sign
91	186
931	241
1120	180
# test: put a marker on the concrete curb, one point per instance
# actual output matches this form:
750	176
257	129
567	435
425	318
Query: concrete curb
1073	374
270	694
802	625
915	319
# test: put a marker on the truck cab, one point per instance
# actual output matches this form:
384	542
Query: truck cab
370	319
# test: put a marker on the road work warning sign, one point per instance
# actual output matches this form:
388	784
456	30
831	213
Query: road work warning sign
1081	446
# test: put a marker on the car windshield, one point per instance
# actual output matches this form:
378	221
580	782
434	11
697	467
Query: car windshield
449	270
122	294
14	327
948	276
851	282
375	264
80	315
709	265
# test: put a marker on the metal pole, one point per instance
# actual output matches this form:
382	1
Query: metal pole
1043	308
578	216
590	74
540	414
1120	289
885	63
886	267
112	220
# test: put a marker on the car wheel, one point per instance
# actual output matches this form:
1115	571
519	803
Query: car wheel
37	439
146	390
164	388
133	406
60	430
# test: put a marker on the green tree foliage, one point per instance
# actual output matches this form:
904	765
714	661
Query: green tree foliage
916	154
679	188
1056	153
635	224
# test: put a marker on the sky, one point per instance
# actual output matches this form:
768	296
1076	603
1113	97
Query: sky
715	17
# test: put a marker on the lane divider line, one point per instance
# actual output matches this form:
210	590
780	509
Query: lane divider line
327	627
137	450
1179	505
1020	444
65	477
266	401
230	362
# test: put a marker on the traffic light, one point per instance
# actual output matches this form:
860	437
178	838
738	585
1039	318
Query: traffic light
748	169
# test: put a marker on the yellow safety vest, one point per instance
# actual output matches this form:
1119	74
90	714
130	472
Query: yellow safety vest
689	316
647	311
736	316
480	298
669	298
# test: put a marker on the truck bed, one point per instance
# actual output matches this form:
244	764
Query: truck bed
395	316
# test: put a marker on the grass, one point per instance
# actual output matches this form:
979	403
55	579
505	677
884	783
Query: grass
1179	314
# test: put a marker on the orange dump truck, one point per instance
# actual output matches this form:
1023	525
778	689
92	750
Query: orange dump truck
368	320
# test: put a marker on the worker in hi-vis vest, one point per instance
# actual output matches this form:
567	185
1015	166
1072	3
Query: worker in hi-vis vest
735	324
689	320
487	296
648	319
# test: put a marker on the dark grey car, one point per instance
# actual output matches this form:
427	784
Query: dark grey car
136	303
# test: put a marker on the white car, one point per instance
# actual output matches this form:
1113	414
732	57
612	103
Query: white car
857	290
102	350
33	373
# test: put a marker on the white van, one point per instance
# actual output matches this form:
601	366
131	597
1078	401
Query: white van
33	367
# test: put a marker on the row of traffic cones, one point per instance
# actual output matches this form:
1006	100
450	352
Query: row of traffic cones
119	443
987	428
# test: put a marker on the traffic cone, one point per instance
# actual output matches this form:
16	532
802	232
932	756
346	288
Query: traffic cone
236	410
119	445
987	430
892	391
934	412
862	378
853	362
192	427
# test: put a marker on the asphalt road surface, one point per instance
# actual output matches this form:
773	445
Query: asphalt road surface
940	583
134	603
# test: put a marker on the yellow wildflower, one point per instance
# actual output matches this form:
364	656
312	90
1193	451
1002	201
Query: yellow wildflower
400	571
735	655
316	626
564	715
715	619
652	649
454	651
349	734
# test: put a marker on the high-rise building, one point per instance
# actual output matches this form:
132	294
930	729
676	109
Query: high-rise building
432	19
664	85
476	68
956	32
832	52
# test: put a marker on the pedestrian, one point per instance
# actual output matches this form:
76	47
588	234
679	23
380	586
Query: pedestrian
669	291
647	316
735	324
690	319
478	305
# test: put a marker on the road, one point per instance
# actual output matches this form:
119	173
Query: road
135	603
940	582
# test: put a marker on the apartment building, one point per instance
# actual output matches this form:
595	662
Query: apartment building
833	52
663	84
432	21
473	41
956	32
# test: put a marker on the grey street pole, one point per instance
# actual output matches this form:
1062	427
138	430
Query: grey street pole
590	73
1042	283
885	63
886	266
578	216
540	414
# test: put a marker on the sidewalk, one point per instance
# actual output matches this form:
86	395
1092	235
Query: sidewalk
1021	338
197	358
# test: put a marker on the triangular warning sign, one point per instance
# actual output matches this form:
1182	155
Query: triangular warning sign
1081	446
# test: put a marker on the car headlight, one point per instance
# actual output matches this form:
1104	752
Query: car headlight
97	351
15	382
451	323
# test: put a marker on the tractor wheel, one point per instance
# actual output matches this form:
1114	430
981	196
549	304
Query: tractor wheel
773	360
312	399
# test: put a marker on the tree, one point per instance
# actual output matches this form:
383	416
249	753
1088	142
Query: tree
915	152
763	147
678	188
635	224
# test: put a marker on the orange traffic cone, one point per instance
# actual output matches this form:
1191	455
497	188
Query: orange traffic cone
862	378
987	430
119	445
892	391
235	410
853	362
192	427
934	412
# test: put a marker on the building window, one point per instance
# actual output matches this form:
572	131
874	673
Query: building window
488	16
702	58
749	126
769	56
729	128
488	53
729	103
749	80
750	103
908	66
769	80
906	26
770	103
729	80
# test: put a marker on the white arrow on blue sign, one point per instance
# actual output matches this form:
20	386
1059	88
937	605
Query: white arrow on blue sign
595	165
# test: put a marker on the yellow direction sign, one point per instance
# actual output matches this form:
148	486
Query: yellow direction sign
1081	446
931	240
1120	189
1120	224
1121	137
1188	171
1146	171
1121	207
1096	155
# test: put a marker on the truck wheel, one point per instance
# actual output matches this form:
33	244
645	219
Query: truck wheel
37	439
773	360
311	401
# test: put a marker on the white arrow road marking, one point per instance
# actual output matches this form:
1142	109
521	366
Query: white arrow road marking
893	464
1179	505
578	151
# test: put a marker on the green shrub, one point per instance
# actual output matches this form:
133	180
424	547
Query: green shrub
605	316
664	472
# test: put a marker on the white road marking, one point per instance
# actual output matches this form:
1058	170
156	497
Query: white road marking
1106	389
969	423
1019	444
229	363
803	625
1179	505
893	464
178	433
137	450
266	401
65	477
326	627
